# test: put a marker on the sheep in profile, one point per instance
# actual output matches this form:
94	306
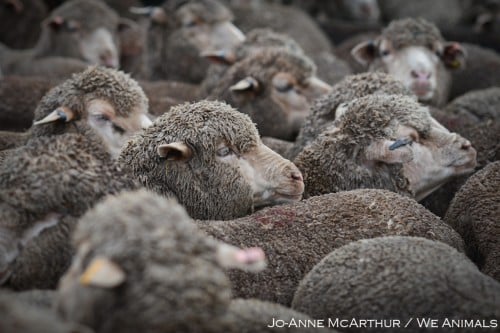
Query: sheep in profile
44	186
275	87
297	236
211	158
384	141
179	31
398	278
474	213
83	30
327	108
108	101
413	51
142	265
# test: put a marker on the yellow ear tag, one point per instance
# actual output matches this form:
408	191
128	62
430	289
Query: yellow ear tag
102	272
455	64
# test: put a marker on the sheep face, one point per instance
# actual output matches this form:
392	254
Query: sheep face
422	65
70	32
359	10
211	157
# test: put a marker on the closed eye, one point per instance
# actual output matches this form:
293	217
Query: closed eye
224	151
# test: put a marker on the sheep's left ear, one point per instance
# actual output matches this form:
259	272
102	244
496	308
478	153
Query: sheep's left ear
62	113
175	151
247	84
454	55
103	273
365	52
221	57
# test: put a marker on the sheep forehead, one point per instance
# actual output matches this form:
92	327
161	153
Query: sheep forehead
89	13
412	32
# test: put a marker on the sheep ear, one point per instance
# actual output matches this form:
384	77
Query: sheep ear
36	229
389	152
247	84
365	52
102	272
454	55
56	22
251	259
176	151
222	57
60	114
15	6
156	14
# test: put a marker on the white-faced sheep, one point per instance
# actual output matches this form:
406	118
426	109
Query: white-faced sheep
142	266
474	212
44	187
108	101
295	237
275	87
400	278
85	31
17	316
179	31
211	158
384	141
413	51
327	108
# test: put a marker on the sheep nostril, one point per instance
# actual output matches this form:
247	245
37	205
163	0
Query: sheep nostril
296	176
465	145
414	74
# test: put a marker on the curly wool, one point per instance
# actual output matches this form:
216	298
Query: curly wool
412	32
365	121
200	182
351	87
173	282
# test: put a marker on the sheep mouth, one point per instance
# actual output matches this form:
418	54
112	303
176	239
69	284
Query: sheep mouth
288	197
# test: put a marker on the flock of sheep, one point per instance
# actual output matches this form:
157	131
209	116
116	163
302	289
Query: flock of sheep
221	166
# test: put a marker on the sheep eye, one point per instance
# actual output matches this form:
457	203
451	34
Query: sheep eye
72	26
224	151
283	86
118	129
384	53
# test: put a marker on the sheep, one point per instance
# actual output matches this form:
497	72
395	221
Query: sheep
20	22
104	99
275	88
482	71
413	51
211	158
282	147
17	316
399	278
179	31
44	186
384	141
256	316
82	30
297	236
359	11
474	213
324	110
142	265
164	94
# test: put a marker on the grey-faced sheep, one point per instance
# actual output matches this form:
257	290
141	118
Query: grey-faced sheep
142	265
17	316
474	213
211	158
179	31
84	31
399	278
275	88
44	187
384	141
413	51
20	22
327	108
359	11
295	237
104	99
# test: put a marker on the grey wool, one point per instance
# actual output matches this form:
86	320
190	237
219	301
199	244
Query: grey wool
399	278
412	32
474	213
476	106
296	237
207	188
351	87
270	117
44	186
365	120
171	279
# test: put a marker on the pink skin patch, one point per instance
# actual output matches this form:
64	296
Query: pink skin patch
250	255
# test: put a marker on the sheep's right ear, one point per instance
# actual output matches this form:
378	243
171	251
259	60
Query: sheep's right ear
222	57
55	23
176	151
365	52
247	84
103	273
389	152
60	114
156	14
